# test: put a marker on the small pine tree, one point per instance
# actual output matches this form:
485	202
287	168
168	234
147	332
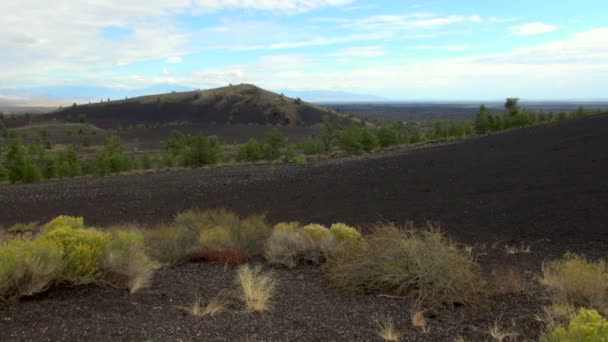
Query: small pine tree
146	162
274	141
202	151
483	120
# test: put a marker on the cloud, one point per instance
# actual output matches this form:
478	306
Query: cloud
577	66
359	51
530	29
174	60
410	21
53	44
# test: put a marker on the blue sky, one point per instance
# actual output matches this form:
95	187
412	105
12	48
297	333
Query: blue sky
402	50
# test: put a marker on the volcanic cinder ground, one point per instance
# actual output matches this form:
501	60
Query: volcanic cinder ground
545	187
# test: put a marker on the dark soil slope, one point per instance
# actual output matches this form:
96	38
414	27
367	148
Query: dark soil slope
536	183
241	104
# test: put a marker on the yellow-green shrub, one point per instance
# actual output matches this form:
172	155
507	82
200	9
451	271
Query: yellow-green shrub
83	251
420	264
576	280
286	226
64	221
247	234
343	232
28	267
316	231
125	263
585	326
170	244
215	238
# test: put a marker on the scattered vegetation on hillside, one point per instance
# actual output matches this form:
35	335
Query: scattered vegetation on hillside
39	160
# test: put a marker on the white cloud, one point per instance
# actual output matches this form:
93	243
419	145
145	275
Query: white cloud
576	66
410	21
66	37
359	51
174	60
530	29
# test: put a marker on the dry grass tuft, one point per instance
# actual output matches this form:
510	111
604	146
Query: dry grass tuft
218	304
508	280
388	330
574	279
196	308
556	314
518	249
419	321
256	287
500	335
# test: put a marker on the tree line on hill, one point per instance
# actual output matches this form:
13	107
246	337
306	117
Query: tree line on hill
30	163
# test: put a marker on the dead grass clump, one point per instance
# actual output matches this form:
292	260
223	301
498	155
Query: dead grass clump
224	256
508	280
290	247
125	263
22	228
518	249
574	279
419	321
388	331
500	335
218	304
256	287
556	314
423	265
170	244
196	308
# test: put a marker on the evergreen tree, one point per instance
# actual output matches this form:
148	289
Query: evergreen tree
482	120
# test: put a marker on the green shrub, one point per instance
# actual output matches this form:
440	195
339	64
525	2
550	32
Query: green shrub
202	151
3	173
30	172
585	326
125	263
170	244
313	146
391	134
83	251
574	279
28	267
355	139
274	142
420	264
146	161
251	151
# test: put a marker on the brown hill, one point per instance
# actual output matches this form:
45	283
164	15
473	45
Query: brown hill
239	104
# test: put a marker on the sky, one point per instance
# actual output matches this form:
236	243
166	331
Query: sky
400	50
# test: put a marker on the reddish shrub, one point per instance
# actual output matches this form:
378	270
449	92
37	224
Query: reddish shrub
223	256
